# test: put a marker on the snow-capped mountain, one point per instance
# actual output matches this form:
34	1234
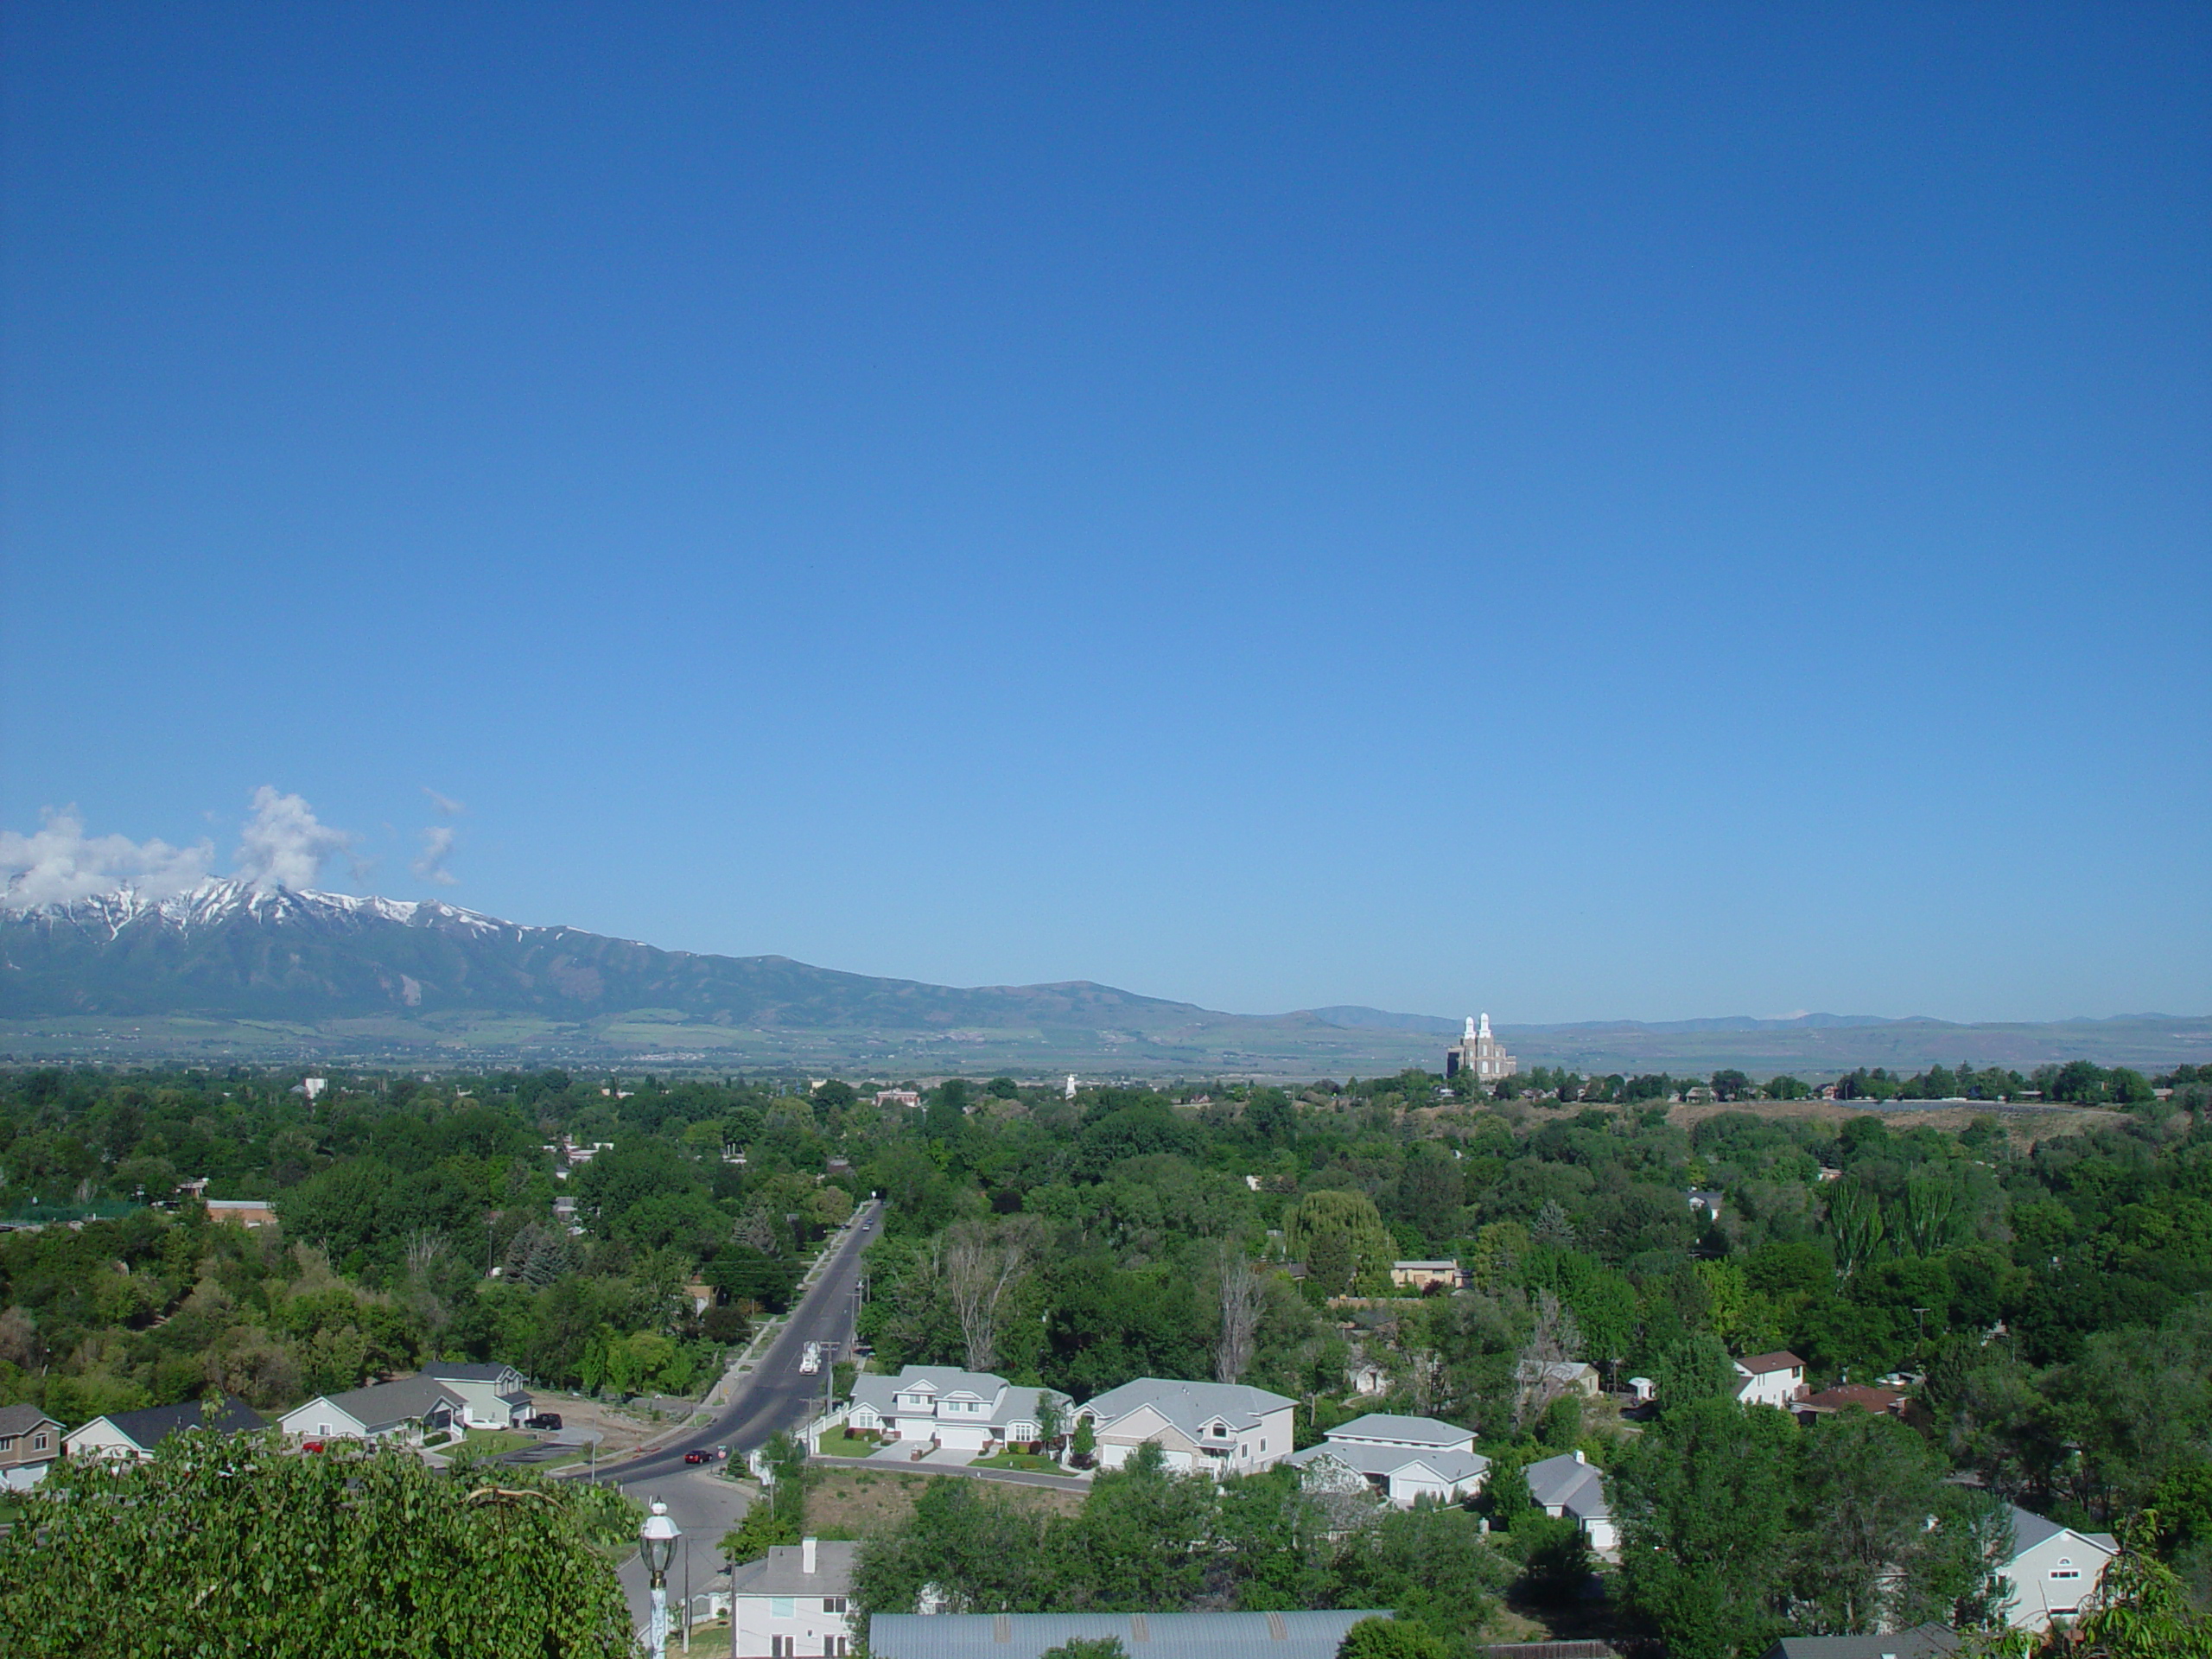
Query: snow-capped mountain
227	948
218	899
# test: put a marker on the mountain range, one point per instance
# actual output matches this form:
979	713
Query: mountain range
231	968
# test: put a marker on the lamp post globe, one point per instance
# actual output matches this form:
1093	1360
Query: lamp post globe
657	1544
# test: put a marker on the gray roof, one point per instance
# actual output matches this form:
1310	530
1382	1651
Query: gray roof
1008	1404
777	1573
1189	1406
1402	1431
1922	1642
445	1373
20	1420
1145	1636
1570	1483
1453	1466
148	1428
2030	1529
386	1405
945	1380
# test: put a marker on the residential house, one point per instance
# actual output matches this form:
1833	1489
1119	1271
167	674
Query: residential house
1770	1379
1364	1376
1557	1377
1165	1636
1403	1457
2053	1570
491	1396
243	1212
1705	1203
1571	1485
403	1413
1421	1276
1921	1642
1224	1427
1849	1397
965	1411
132	1436
906	1098
30	1442
792	1603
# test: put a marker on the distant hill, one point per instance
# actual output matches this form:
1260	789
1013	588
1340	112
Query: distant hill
1359	1018
228	970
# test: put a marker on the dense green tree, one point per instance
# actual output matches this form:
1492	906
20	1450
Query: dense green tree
1704	1504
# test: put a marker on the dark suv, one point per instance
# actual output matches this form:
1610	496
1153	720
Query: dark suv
543	1420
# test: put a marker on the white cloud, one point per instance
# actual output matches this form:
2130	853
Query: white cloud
285	844
431	864
445	804
58	862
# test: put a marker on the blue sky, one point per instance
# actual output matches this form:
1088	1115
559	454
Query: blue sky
1585	513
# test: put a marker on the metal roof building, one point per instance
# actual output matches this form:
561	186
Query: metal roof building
1145	1636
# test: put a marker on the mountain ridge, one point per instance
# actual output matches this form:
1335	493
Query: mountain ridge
228	962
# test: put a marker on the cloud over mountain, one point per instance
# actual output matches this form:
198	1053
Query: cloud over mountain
285	845
58	862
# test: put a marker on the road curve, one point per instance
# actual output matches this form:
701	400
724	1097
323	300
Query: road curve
776	1394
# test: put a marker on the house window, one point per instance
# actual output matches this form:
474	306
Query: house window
783	1606
779	1647
1264	1445
833	1603
832	1646
2066	1573
38	1442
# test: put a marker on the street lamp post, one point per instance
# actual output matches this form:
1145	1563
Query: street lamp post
657	1544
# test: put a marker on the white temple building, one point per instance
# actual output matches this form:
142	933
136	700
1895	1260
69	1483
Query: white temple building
1479	1055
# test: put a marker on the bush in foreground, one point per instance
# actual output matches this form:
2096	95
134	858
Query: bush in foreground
222	1545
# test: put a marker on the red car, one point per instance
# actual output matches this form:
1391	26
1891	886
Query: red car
310	1445
698	1457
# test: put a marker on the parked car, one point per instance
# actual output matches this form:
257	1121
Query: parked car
543	1420
698	1457
310	1445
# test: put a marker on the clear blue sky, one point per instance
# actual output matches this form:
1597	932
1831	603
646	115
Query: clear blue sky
1585	513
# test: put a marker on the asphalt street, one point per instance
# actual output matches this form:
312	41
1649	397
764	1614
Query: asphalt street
704	1506
776	1394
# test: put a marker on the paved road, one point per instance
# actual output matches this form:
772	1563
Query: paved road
704	1507
776	1394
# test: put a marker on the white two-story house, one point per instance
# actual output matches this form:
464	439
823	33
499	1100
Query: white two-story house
1225	1428
1403	1457
2053	1571
792	1602
1770	1379
962	1411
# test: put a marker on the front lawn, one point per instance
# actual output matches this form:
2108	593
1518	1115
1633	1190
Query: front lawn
839	1444
495	1442
1026	1460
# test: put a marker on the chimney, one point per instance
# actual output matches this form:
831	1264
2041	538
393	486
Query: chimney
806	1554
1579	1458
